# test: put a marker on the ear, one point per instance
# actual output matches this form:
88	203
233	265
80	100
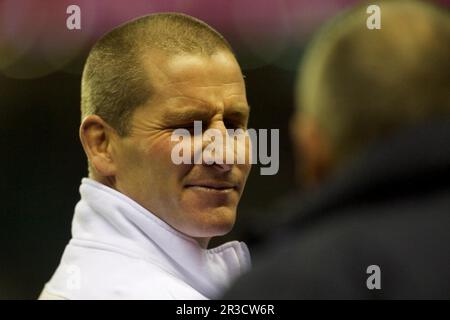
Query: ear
312	150
96	136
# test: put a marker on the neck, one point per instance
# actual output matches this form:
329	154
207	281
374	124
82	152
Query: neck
203	242
107	181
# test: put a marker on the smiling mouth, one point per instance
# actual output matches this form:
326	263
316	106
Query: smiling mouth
222	187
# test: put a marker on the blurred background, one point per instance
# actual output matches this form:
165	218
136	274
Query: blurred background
42	161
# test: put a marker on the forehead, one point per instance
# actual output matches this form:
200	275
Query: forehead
196	80
220	68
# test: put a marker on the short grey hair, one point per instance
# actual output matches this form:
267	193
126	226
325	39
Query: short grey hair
114	81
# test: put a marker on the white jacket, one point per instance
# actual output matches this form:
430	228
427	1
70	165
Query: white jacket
119	250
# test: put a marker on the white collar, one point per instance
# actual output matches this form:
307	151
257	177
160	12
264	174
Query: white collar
107	216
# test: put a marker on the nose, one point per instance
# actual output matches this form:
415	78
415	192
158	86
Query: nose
217	158
222	167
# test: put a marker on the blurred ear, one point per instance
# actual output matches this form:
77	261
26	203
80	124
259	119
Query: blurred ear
312	150
96	136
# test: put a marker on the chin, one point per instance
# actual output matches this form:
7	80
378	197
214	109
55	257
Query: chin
213	223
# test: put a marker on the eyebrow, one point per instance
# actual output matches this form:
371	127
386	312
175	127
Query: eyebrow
190	113
238	111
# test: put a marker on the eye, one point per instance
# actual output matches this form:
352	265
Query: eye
190	126
187	126
232	124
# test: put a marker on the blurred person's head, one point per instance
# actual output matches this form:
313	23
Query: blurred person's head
358	86
142	81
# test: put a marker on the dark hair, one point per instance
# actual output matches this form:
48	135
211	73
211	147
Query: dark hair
114	81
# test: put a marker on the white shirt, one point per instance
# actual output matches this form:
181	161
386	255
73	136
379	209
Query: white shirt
120	250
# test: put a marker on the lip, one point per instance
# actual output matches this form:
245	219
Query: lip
218	186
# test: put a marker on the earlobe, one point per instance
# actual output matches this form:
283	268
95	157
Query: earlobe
95	136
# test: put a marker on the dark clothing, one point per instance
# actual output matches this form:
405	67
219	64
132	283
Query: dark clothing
390	208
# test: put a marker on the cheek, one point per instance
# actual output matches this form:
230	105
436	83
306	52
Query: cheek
130	160
245	169
159	160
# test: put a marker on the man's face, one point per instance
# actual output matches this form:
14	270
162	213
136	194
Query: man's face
198	200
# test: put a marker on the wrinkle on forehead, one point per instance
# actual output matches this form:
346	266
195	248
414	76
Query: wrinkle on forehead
204	86
180	69
188	83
